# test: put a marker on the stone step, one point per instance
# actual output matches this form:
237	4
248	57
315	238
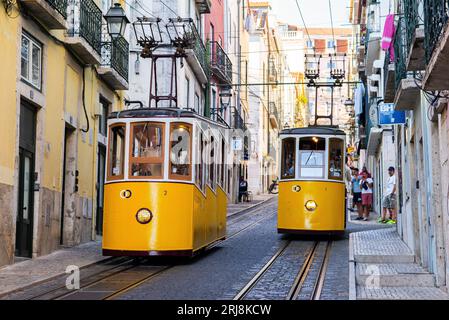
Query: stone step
384	258
401	293
394	275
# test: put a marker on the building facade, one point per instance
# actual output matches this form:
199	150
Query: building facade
63	75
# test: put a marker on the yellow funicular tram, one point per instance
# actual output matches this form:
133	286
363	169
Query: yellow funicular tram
312	192
167	183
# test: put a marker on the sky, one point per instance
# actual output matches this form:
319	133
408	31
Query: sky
316	12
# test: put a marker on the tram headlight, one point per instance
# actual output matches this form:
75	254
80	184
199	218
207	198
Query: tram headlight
144	216
311	205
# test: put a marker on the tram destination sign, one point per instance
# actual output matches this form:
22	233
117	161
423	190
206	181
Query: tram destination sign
389	116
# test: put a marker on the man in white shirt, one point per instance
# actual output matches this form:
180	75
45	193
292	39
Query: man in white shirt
389	200
366	185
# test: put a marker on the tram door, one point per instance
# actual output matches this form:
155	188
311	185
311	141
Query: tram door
100	187
24	224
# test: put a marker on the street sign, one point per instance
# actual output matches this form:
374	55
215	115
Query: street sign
237	144
389	116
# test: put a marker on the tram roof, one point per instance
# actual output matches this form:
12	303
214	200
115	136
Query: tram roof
159	113
315	130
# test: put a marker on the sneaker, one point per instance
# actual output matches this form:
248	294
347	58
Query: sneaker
358	218
365	219
380	220
391	222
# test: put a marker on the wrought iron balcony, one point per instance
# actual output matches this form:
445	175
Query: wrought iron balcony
414	35
114	61
51	13
84	33
197	56
389	79
221	65
436	18
204	6
407	92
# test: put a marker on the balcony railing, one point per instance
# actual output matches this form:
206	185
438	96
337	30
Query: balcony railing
412	21
115	54
400	49
436	16
239	122
200	51
220	62
60	6
86	22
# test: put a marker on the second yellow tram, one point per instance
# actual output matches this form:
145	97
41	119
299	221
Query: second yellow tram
167	183
312	190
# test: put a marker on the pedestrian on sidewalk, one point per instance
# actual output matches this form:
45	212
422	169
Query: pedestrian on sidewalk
366	185
389	200
357	193
243	188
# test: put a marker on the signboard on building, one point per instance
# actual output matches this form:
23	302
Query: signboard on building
389	116
237	144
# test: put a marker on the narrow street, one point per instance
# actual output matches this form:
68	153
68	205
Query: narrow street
253	263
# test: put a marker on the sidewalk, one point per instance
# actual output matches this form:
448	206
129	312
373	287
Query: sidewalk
22	275
382	267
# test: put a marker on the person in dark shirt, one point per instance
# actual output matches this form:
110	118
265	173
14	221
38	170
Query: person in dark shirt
243	188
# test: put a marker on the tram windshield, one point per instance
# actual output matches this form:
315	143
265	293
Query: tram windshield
147	158
180	151
311	157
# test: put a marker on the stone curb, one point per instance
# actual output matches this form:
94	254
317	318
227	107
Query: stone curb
352	275
251	207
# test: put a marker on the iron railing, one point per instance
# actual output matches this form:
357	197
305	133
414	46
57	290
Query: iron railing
200	50
60	6
86	22
221	61
400	50
115	54
412	20
436	16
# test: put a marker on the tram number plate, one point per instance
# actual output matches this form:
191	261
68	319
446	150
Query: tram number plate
296	188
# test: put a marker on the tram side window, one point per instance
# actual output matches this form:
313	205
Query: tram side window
311	157
147	156
180	151
199	161
336	159
288	158
116	152
211	162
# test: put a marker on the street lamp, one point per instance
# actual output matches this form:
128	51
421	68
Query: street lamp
225	98
116	20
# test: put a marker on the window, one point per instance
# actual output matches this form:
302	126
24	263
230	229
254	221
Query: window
104	105
214	102
221	164
187	97
311	157
31	61
116	152
288	158
309	44
330	44
199	170
211	162
197	103
147	150
180	151
336	159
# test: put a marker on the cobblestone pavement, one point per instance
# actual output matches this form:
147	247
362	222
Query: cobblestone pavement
233	208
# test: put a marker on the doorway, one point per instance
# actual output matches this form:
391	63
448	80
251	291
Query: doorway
100	188
25	208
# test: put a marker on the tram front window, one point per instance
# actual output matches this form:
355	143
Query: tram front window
311	156
180	152
288	158
116	151
147	158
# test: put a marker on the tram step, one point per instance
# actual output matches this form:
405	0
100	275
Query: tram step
400	293
394	275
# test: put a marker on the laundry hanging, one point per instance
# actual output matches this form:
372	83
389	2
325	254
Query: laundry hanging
388	36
